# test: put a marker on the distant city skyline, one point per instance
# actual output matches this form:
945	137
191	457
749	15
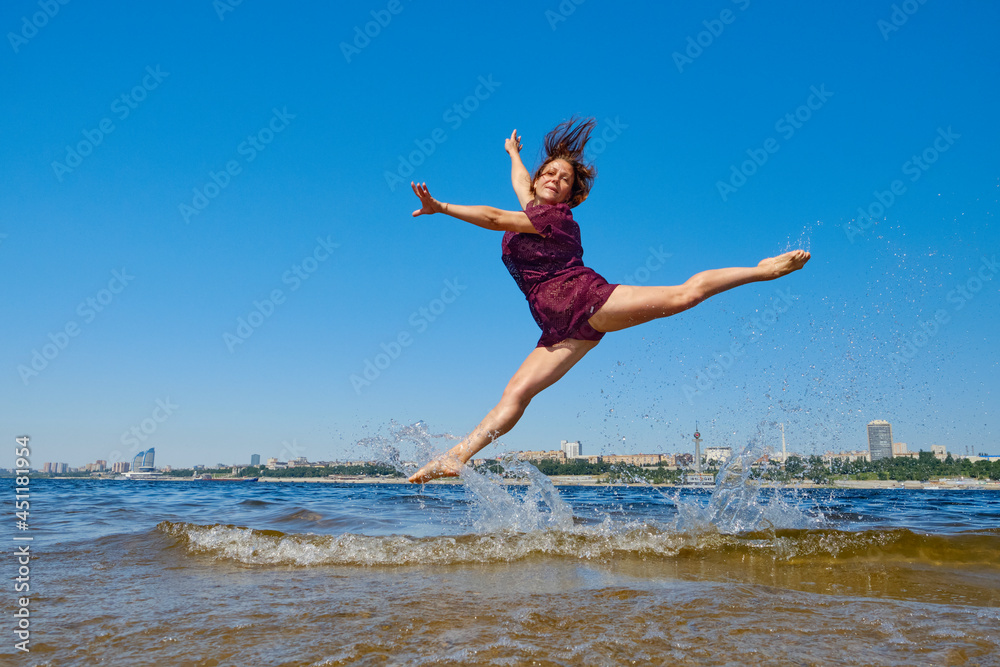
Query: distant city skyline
879	433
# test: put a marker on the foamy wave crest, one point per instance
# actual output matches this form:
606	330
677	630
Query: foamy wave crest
268	547
602	542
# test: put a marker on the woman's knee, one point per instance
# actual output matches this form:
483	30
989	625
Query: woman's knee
518	401
690	295
514	401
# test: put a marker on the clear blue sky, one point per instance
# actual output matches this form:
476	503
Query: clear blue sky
301	131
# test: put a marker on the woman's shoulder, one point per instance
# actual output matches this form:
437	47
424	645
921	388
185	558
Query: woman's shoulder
550	218
561	208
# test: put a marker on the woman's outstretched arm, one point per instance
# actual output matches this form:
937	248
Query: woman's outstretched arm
486	217
519	176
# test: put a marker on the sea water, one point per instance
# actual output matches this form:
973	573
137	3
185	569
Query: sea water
489	572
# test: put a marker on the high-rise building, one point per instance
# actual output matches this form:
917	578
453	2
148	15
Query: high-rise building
255	459
572	449
879	439
143	461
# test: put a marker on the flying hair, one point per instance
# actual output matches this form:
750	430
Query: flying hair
567	142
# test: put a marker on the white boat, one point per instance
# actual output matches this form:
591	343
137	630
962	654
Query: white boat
135	474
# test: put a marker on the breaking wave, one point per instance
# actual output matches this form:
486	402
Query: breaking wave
250	546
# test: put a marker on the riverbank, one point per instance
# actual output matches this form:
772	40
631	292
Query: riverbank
595	480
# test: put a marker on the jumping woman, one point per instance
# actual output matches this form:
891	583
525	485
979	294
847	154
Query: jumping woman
573	305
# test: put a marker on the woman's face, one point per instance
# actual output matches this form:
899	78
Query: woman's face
555	184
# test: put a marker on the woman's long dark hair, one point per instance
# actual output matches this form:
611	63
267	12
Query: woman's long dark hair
566	142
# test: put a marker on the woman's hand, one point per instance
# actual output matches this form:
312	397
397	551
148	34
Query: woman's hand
428	205
513	143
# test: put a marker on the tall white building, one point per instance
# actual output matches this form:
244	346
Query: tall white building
571	449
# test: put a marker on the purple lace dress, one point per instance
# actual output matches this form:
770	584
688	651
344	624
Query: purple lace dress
548	267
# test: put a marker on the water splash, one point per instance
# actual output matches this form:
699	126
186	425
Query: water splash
804	240
736	504
533	505
406	446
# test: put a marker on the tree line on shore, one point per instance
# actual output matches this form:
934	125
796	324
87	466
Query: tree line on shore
923	468
367	469
901	469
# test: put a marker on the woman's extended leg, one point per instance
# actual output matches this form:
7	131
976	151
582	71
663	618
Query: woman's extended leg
630	305
543	366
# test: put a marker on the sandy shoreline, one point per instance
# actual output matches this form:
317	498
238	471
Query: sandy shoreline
592	480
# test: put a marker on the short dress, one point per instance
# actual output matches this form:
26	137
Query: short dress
548	267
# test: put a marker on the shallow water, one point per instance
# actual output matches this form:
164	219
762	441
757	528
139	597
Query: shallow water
175	573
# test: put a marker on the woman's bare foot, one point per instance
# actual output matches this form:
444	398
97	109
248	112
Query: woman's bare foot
442	466
782	265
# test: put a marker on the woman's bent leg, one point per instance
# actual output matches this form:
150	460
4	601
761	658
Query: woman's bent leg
543	367
630	305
